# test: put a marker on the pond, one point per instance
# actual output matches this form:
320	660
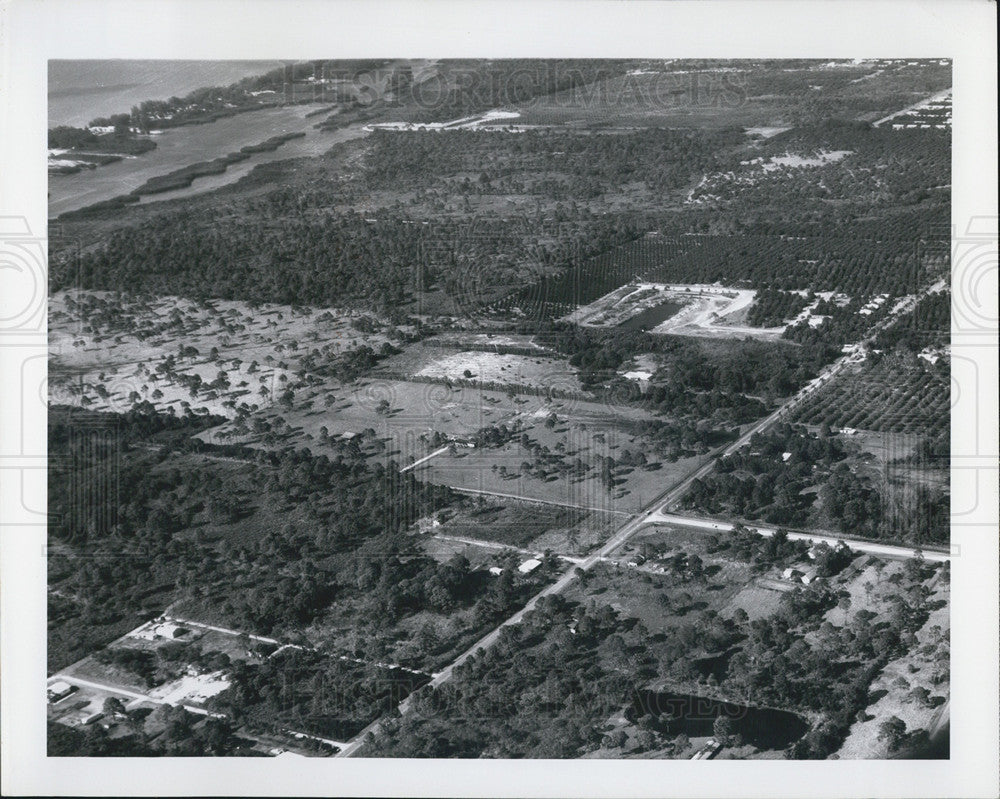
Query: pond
764	728
653	316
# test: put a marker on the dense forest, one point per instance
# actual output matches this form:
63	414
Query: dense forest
789	475
694	377
136	484
325	261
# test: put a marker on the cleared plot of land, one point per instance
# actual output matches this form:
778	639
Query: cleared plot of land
108	351
757	171
568	451
486	367
529	526
397	419
678	309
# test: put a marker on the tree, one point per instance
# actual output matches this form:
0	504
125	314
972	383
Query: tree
722	728
113	706
893	732
921	695
645	740
615	739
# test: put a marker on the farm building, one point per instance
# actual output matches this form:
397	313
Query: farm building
529	565
166	629
59	690
809	575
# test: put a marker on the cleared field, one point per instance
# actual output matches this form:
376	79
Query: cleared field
756	601
403	416
529	526
486	367
561	453
107	351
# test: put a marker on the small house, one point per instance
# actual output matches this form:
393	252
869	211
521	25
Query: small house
59	690
496	571
792	574
529	565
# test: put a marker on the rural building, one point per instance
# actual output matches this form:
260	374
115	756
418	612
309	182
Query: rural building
59	690
809	575
529	565
792	574
166	629
496	571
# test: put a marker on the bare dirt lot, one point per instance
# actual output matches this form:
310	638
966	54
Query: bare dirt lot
108	351
487	367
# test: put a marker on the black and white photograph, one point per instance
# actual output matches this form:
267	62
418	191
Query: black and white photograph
539	407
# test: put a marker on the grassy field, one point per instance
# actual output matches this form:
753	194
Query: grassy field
529	526
442	363
500	470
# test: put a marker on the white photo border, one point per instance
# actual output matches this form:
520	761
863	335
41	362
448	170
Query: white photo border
31	33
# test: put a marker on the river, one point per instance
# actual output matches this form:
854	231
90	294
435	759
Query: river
189	144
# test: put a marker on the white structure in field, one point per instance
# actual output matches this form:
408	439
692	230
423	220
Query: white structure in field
166	629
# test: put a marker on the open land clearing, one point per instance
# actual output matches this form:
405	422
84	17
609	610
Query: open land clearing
106	347
756	171
484	367
528	526
558	454
403	415
691	310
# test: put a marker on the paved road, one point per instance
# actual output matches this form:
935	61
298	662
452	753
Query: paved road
114	689
885	550
424	459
